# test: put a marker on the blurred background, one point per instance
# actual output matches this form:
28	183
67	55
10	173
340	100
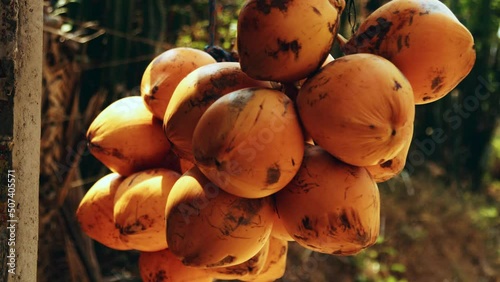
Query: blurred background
440	216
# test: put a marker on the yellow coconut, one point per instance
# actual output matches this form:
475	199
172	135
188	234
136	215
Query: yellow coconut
164	73
126	138
249	142
207	227
330	207
139	208
194	94
286	40
95	212
360	108
424	39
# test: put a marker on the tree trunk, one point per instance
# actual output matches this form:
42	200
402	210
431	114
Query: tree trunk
20	84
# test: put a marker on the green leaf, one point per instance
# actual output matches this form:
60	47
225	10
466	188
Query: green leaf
398	267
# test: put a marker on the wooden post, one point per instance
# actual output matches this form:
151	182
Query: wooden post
21	30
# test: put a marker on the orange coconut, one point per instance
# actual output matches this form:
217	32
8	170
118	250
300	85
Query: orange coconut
207	227
95	212
360	108
249	142
164	73
330	207
194	94
424	39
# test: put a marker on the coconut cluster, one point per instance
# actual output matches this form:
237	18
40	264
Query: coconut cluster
217	166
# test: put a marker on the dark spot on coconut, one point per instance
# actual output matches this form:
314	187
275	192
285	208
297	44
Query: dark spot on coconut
293	162
393	133
217	164
306	222
241	213
371	126
424	13
258	114
132	228
337	252
316	11
426	98
407	41
301	185
116	153
265	6
224	80
436	82
240	101
133	179
386	164
377	32
209	96
353	171
273	174
397	85
312	246
286	46
108	152
344	220
322	96
400	43
224	261
154	90
160	276
302	238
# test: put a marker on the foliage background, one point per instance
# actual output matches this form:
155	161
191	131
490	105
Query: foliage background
439	217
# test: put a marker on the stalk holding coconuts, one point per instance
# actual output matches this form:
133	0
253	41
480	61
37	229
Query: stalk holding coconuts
286	41
249	142
139	207
424	39
194	94
339	205
95	212
360	108
127	138
207	227
164	73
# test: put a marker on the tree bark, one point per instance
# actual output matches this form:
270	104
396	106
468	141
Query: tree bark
20	97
